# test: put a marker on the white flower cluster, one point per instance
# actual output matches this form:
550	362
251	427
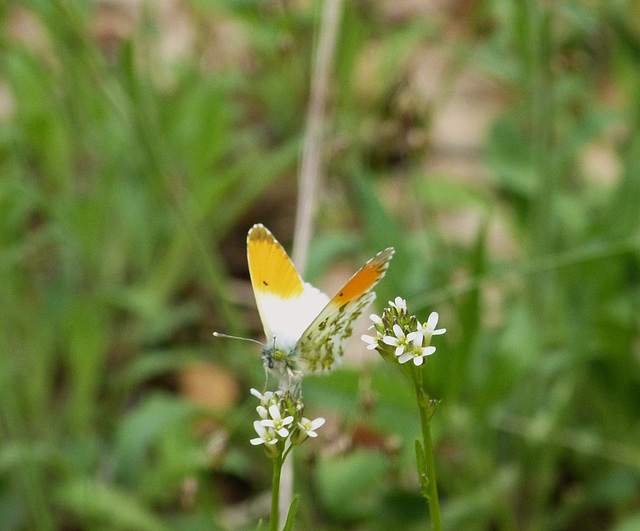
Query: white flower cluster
410	339
281	419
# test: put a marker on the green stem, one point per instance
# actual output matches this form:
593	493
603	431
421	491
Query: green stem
275	493
425	421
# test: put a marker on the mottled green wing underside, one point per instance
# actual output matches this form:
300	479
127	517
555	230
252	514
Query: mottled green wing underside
322	344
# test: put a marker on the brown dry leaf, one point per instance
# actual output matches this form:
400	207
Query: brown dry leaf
211	386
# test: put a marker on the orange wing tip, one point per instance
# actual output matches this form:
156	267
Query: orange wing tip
366	278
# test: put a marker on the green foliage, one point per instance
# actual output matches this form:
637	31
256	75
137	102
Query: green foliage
128	179
291	515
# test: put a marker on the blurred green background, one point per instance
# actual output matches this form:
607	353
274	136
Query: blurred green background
494	143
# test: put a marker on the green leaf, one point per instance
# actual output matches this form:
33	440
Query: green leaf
155	363
98	504
422	469
628	523
288	526
349	486
143	427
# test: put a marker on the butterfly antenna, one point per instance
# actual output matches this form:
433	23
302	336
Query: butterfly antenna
218	334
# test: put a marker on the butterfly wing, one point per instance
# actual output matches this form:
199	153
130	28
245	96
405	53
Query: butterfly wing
286	304
322	343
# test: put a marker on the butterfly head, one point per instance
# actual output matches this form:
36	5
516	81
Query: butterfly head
283	363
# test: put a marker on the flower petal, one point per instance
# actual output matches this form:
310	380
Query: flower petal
372	342
415	338
256	393
392	341
400	304
427	351
274	411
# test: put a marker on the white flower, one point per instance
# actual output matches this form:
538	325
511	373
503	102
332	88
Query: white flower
266	435
399	341
416	339
411	339
309	426
399	304
417	355
256	393
416	351
376	320
277	422
264	398
372	342
428	329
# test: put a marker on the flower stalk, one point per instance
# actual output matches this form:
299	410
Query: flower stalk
427	472
274	518
401	338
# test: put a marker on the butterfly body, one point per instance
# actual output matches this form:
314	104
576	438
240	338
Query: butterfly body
305	329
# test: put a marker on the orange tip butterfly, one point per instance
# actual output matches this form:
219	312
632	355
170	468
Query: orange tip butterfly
305	330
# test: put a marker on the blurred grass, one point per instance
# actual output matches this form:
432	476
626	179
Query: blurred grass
128	178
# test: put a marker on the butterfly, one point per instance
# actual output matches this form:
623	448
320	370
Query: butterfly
305	329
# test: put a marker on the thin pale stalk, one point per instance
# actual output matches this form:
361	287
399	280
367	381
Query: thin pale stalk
311	166
311	161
